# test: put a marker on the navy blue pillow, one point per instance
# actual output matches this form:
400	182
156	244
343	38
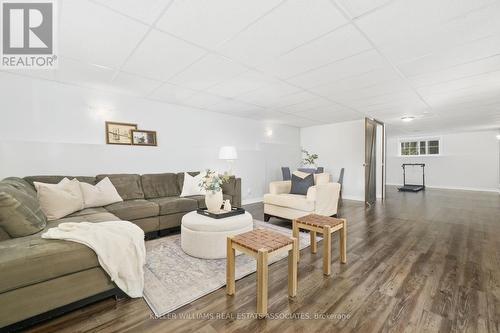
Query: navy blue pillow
301	185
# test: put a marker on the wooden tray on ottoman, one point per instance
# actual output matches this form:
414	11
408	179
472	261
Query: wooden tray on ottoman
222	214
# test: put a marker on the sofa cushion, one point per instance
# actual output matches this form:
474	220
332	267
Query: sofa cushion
89	211
171	205
160	185
230	187
134	209
294	201
148	224
21	184
32	259
128	185
4	235
20	212
57	179
199	198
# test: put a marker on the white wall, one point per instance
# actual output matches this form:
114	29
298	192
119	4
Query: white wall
469	160
340	145
52	128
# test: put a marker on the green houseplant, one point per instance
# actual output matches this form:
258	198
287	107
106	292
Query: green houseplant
309	159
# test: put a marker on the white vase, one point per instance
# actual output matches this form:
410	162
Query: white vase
213	200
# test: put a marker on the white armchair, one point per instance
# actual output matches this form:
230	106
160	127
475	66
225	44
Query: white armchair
321	199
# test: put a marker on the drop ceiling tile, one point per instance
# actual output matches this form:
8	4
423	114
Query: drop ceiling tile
296	121
161	56
209	23
234	107
357	8
471	69
106	39
406	105
172	94
203	100
471	95
246	82
315	103
133	84
332	114
46	74
355	83
266	116
288	26
294	98
269	95
465	86
339	44
401	97
207	72
446	59
407	29
352	66
383	89
144	10
84	74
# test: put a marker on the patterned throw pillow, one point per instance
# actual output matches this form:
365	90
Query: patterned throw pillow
300	185
20	212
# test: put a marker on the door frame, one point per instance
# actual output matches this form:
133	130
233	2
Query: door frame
377	122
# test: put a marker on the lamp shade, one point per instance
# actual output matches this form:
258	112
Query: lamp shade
228	153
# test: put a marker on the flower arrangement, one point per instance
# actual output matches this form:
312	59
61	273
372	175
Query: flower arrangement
212	182
309	159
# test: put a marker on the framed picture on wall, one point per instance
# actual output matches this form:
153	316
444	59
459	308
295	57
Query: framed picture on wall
119	133
144	138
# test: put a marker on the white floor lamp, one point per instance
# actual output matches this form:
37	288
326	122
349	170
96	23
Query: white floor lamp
229	154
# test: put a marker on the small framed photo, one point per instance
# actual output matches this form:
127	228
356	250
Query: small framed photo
144	138
119	133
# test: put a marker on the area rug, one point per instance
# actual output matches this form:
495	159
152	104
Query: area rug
174	279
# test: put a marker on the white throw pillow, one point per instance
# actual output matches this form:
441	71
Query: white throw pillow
59	200
191	185
102	194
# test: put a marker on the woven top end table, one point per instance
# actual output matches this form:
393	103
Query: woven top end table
325	225
260	244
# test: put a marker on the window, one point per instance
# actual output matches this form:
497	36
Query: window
413	147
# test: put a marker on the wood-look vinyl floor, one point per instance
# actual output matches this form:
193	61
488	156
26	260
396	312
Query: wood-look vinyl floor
417	262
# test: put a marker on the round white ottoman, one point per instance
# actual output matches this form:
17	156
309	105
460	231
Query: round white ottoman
205	237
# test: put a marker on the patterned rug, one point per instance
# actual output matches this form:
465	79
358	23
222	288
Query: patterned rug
174	279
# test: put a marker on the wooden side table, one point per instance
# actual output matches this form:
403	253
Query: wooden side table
325	225
261	244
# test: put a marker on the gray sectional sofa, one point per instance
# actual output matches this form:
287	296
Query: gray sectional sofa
41	278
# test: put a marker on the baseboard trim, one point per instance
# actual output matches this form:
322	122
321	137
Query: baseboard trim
352	197
456	188
251	201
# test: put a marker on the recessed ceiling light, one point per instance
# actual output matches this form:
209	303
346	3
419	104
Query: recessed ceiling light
498	136
407	118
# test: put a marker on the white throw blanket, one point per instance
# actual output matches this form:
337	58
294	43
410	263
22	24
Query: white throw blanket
119	246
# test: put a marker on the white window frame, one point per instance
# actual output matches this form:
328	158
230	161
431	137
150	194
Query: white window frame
418	140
